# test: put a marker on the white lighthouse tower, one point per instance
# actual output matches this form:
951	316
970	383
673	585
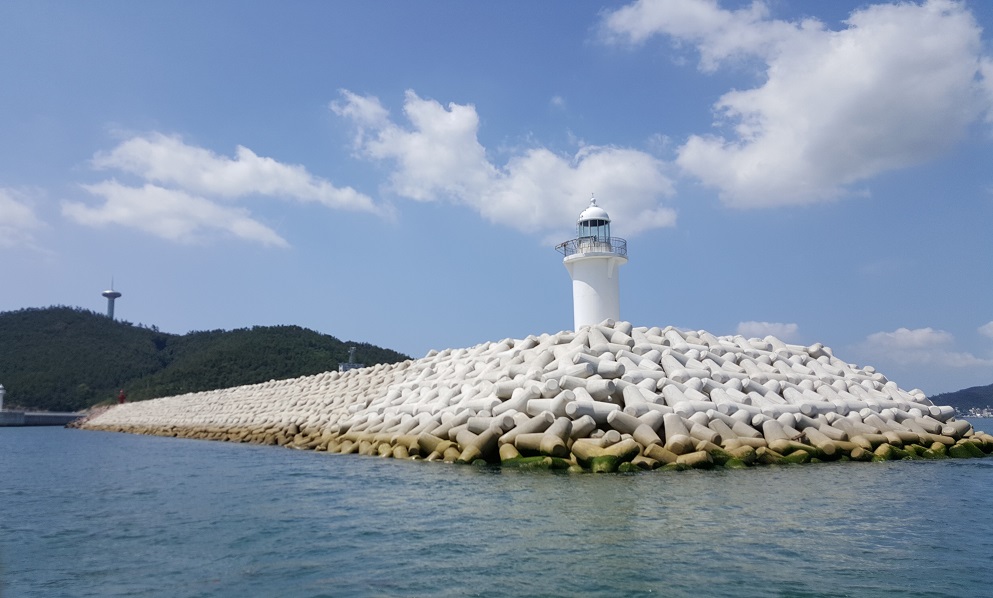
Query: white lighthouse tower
592	259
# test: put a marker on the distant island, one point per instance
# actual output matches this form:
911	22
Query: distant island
67	358
976	401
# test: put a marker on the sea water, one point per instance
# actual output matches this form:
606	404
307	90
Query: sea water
102	514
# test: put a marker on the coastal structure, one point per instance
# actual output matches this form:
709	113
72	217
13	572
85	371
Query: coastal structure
351	364
593	259
606	396
37	418
22	418
111	296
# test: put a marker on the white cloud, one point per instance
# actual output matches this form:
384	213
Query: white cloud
897	86
439	158
903	339
920	346
167	160
18	221
188	191
171	214
779	330
986	329
717	34
366	111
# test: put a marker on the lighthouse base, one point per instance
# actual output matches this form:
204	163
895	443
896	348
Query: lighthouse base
595	287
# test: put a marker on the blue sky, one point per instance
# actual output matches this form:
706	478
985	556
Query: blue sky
399	173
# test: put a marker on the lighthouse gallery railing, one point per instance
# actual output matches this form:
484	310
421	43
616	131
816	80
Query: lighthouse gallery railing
593	244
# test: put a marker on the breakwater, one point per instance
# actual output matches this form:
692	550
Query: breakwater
605	398
32	418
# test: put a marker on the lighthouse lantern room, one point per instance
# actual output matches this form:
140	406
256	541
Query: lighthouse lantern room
592	259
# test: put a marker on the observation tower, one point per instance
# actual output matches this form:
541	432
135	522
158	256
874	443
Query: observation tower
592	259
111	295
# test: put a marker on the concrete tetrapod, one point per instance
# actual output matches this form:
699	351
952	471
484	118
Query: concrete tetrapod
611	393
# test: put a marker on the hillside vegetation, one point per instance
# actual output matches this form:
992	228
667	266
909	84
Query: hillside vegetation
66	359
979	397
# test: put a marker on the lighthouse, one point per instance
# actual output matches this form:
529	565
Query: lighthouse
592	259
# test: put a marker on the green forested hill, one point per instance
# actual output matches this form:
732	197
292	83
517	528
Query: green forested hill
978	396
64	358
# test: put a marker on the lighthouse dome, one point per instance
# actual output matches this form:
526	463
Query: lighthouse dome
594	212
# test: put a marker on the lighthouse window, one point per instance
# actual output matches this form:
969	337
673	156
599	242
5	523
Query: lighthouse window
597	229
